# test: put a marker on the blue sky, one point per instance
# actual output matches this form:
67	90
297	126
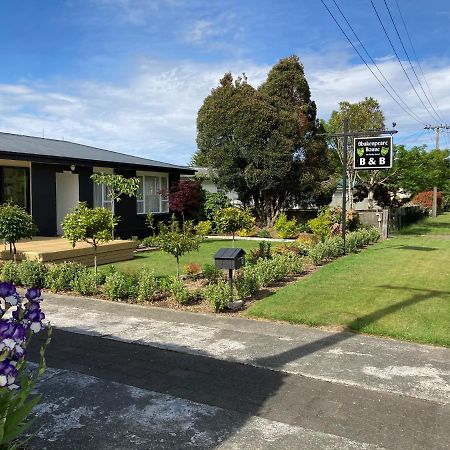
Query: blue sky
130	75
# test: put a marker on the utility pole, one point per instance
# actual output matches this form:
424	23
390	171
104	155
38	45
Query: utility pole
437	129
344	179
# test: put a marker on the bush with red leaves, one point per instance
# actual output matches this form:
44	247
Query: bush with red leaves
187	198
426	199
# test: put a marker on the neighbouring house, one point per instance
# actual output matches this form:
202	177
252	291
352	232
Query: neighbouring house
204	175
48	177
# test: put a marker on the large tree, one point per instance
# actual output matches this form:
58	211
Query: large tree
363	115
262	142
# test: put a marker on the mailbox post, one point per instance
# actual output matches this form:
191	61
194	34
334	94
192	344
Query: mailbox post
231	259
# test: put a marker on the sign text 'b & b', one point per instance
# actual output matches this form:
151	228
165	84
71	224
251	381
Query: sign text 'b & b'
371	153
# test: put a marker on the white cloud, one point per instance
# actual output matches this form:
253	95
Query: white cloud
153	114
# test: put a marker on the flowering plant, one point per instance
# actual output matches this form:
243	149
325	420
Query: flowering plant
20	318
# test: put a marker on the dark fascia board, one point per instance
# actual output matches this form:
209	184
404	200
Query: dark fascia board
90	163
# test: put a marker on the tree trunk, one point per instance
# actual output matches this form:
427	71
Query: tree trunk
233	240
15	252
370	199
95	260
178	267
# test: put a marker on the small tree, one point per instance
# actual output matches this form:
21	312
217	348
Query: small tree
233	219
93	226
177	239
187	198
215	201
117	185
15	224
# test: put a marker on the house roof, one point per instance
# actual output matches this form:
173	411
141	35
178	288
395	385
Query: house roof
20	146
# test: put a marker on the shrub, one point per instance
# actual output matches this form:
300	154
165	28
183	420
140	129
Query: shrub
148	286
218	295
60	277
287	229
211	273
307	239
374	234
425	199
247	232
351	243
267	271
10	272
246	284
150	241
180	293
203	228
32	273
192	270
334	247
85	282
263	251
165	284
317	253
294	249
264	233
119	286
321	225
215	201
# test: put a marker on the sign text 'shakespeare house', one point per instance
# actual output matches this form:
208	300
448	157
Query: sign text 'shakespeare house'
372	153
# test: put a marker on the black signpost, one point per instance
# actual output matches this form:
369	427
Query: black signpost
372	153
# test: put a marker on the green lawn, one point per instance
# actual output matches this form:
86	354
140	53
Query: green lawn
165	264
397	288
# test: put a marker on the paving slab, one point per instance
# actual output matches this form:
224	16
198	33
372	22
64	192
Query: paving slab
84	412
383	365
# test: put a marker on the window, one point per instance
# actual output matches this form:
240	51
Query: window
102	199
152	194
15	186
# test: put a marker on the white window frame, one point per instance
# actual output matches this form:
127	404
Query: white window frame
105	202
163	184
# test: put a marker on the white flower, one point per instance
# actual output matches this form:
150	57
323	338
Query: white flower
3	380
10	343
35	327
13	386
12	300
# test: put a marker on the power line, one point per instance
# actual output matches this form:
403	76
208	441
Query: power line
417	59
375	64
367	65
409	60
398	58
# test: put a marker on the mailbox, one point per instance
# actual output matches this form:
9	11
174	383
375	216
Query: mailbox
229	258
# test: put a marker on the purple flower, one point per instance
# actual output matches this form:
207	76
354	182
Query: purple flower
8	374
34	316
7	289
33	294
10	330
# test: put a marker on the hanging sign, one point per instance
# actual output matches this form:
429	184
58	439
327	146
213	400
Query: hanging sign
371	153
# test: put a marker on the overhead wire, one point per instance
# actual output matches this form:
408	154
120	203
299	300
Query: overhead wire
417	59
436	113
375	64
368	66
409	60
398	59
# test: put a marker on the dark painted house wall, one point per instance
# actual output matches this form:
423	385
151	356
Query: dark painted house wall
43	198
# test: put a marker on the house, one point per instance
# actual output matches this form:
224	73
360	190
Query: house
204	175
48	177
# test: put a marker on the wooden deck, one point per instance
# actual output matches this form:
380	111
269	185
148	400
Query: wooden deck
56	250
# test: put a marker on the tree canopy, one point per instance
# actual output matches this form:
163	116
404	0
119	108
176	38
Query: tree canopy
363	115
262	142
